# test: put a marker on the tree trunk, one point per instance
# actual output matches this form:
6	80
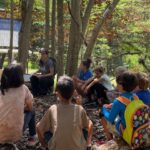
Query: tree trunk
47	25
60	18
98	27
53	41
74	38
24	36
86	16
11	32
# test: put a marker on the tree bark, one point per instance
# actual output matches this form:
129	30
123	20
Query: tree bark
11	32
60	55
86	16
47	24
24	35
53	41
98	27
74	38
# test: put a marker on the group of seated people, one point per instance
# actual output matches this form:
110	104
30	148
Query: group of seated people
65	125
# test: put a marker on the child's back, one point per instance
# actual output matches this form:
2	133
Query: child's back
12	113
66	123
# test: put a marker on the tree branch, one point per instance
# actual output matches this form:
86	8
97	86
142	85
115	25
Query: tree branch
98	26
81	33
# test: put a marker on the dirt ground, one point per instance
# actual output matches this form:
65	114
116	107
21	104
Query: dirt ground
41	104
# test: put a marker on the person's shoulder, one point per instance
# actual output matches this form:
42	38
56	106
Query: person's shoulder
89	72
105	76
52	107
117	102
81	109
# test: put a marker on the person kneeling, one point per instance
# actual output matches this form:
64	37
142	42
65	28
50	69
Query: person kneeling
113	119
62	127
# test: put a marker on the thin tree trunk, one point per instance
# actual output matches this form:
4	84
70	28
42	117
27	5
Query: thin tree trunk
60	18
85	20
11	31
86	16
24	36
53	42
47	24
74	38
98	27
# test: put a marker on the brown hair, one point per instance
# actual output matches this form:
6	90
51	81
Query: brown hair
100	69
128	80
143	80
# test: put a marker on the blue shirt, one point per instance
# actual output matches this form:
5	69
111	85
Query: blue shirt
85	75
117	111
144	95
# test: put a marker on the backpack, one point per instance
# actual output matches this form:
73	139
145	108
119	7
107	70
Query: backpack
137	121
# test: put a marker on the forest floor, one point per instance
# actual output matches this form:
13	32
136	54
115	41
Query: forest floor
41	105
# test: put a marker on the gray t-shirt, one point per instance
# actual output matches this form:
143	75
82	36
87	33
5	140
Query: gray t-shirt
45	67
105	81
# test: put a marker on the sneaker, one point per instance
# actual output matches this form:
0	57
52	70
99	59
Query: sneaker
32	141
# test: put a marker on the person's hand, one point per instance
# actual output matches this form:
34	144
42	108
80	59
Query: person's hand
96	80
108	106
38	75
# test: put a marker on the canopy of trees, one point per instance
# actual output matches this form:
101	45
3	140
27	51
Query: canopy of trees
111	32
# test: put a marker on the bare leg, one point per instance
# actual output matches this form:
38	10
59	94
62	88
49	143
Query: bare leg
104	124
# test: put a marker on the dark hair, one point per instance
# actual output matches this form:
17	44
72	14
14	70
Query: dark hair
143	80
65	86
12	77
100	69
128	80
87	62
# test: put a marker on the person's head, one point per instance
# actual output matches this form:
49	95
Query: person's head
65	88
143	81
12	77
44	54
119	70
99	71
127	81
85	64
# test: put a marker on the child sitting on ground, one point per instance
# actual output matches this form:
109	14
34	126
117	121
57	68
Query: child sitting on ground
142	90
65	121
16	112
84	74
114	113
99	84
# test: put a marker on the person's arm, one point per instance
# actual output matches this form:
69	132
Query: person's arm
40	136
42	127
91	84
51	73
111	114
87	124
90	132
89	81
